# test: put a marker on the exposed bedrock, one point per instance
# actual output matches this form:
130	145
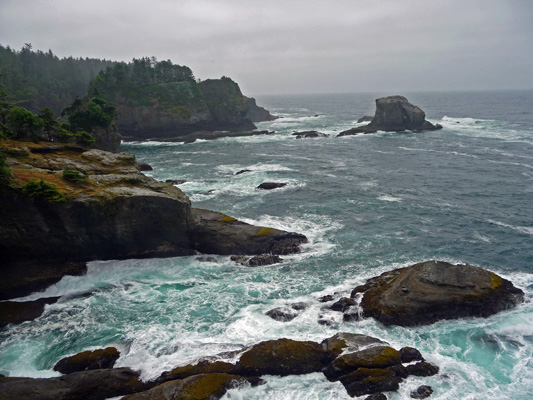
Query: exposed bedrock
395	113
434	290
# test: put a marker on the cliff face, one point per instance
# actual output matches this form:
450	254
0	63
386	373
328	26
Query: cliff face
116	212
171	110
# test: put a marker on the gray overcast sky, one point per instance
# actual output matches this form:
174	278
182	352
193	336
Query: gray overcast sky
296	46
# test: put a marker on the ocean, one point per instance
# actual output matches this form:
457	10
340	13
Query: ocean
367	203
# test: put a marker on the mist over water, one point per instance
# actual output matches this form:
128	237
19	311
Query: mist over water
368	204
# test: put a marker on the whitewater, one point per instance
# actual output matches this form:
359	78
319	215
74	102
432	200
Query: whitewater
367	203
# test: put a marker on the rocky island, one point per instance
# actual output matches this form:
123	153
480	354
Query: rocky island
394	114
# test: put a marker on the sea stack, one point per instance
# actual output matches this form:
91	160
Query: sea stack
395	114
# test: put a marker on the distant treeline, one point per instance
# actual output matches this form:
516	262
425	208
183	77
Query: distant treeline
37	79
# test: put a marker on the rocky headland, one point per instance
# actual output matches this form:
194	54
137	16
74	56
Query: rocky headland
394	114
67	204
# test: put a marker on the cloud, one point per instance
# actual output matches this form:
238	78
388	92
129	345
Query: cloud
296	46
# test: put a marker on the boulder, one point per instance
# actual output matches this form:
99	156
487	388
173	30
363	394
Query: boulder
15	312
379	357
202	367
343	304
370	380
344	342
395	113
422	368
282	314
422	392
88	360
282	357
271	185
87	385
145	167
216	233
430	291
410	354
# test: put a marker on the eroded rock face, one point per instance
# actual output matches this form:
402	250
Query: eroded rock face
430	291
15	312
395	113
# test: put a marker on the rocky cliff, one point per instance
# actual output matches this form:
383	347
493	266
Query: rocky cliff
67	203
162	100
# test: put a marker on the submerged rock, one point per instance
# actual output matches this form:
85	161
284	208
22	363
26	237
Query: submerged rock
257	261
309	134
395	113
430	291
271	185
88	360
422	392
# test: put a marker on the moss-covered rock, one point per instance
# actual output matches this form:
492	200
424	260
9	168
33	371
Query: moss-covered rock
282	357
203	367
197	387
430	291
88	360
372	357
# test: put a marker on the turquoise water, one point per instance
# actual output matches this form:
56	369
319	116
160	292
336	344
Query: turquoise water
368	204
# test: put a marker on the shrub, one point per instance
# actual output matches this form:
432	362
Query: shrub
5	173
43	190
84	138
74	176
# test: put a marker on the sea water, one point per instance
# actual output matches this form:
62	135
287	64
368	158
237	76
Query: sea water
367	203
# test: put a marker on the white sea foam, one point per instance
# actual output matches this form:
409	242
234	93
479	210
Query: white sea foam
388	197
522	229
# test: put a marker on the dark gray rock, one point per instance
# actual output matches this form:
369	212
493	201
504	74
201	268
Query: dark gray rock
422	368
242	171
370	380
271	185
366	118
87	385
422	392
376	396
282	314
343	304
349	342
410	354
176	181
15	312
145	167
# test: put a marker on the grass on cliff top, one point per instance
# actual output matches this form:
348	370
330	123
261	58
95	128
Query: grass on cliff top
27	161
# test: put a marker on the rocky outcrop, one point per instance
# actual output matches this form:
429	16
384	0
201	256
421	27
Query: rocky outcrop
216	233
256	113
395	113
271	185
88	360
430	291
87	385
109	211
15	312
